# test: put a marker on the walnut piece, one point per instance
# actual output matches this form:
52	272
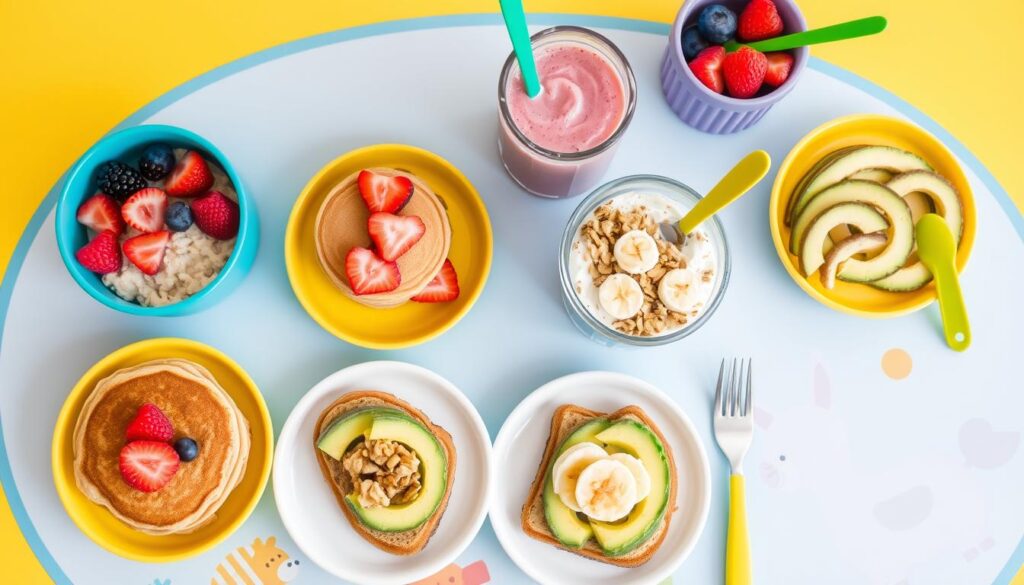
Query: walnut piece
383	471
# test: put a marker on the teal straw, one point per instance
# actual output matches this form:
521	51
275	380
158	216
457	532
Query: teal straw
515	22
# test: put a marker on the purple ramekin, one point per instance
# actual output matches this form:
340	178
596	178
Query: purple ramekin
705	110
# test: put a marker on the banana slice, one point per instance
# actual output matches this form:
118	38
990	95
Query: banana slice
567	468
636	467
606	490
621	296
678	290
636	252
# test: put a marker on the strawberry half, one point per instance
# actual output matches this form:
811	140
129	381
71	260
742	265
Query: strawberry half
383	193
145	209
443	288
217	215
149	424
394	235
190	177
779	66
148	465
707	67
102	255
147	251
759	20
744	72
368	274
100	213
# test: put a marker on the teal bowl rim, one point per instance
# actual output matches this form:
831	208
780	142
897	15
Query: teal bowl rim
133	137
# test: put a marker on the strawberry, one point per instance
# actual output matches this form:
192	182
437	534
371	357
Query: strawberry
368	274
102	254
779	66
217	215
145	209
100	213
443	288
759	20
393	235
146	251
190	176
148	465
149	424
707	67
744	72
384	193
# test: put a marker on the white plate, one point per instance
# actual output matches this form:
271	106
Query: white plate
310	511
525	433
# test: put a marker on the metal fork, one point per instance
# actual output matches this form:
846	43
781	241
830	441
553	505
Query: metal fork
734	428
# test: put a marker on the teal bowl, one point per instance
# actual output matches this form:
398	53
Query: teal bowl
127	145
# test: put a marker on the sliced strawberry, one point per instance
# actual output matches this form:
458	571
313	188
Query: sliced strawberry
190	177
383	193
147	251
393	235
102	255
217	215
148	465
145	209
149	424
707	67
100	213
779	66
368	274
443	288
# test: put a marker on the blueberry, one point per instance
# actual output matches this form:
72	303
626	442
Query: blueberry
178	216
693	43
717	23
187	449
157	160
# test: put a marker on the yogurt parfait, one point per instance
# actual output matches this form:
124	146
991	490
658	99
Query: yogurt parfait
624	281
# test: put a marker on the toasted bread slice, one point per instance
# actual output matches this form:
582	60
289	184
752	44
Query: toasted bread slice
566	419
398	543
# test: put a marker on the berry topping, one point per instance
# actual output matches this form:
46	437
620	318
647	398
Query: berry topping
119	180
147	251
157	160
383	193
443	288
100	213
744	72
102	255
779	66
394	235
148	465
368	274
707	67
216	215
693	43
759	20
149	424
145	210
186	448
178	217
190	176
717	23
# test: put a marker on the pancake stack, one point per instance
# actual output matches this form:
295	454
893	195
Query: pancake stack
199	408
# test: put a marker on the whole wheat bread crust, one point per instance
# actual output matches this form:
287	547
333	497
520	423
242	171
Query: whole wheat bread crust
420	535
535	525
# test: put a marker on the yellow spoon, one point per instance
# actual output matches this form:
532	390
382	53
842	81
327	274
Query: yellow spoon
936	248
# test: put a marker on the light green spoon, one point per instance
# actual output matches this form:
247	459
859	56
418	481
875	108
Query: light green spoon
936	248
837	32
515	22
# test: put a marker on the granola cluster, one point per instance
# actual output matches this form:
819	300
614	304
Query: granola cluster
384	472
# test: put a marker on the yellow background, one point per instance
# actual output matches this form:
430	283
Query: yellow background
74	69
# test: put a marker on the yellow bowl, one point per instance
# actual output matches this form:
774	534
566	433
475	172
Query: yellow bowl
411	323
109	532
853	298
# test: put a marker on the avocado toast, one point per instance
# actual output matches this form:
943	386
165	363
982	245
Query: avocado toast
391	468
626	434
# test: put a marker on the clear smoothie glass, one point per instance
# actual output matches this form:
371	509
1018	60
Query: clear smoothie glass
545	172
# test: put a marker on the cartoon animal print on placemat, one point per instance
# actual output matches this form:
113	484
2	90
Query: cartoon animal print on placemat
262	563
472	574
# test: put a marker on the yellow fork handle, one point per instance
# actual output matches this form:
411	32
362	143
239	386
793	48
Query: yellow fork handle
737	545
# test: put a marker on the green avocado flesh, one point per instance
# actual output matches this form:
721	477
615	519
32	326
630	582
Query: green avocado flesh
564	524
859	215
393	424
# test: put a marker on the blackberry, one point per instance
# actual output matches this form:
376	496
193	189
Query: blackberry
119	180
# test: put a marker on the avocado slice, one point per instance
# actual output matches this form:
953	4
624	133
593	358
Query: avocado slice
881	176
564	524
810	174
860	215
846	249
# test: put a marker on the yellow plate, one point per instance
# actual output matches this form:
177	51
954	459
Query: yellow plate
101	526
852	298
411	323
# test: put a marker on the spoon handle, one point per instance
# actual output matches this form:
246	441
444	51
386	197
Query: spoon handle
736	182
836	32
955	326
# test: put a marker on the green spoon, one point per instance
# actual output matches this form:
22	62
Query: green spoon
837	32
936	248
515	22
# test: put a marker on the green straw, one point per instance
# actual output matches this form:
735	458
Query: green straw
515	22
